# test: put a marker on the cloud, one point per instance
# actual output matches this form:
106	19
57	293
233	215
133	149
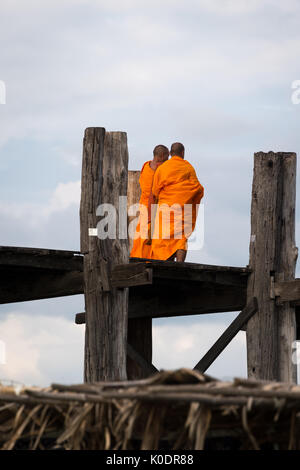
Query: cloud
134	63
35	214
64	196
51	348
183	345
53	224
38	352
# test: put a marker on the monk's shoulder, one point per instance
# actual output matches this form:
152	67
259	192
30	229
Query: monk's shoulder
163	168
188	164
190	168
146	166
146	176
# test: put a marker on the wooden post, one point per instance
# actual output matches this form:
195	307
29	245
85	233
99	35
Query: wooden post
104	179
139	329
272	330
133	197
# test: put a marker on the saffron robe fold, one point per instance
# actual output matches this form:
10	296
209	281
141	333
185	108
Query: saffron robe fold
178	191
140	249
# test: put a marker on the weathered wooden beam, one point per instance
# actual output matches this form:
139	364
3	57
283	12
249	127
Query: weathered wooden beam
190	298
104	180
227	336
147	367
135	274
271	332
172	299
129	275
133	197
19	284
167	298
288	291
223	275
196	267
23	257
80	318
36	273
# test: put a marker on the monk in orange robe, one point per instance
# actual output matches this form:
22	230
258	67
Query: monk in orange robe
177	193
142	244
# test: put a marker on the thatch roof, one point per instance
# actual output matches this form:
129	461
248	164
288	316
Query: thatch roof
180	409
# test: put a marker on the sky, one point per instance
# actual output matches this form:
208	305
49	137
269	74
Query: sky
216	75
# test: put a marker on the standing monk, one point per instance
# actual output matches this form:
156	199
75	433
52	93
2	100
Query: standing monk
141	247
177	192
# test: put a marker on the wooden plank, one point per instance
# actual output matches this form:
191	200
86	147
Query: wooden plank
139	329
139	279
227	336
104	180
166	298
133	197
155	301
147	368
272	331
25	284
80	318
288	291
41	258
139	337
186	266
230	276
37	271
189	297
131	275
15	250
196	288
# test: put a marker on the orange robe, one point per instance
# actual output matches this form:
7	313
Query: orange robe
175	184
140	249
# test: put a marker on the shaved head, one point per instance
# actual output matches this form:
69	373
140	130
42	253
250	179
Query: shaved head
177	149
160	153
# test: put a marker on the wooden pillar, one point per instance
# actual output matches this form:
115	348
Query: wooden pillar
104	179
272	330
133	197
139	329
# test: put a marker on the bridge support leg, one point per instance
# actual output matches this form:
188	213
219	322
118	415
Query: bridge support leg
271	332
139	329
104	179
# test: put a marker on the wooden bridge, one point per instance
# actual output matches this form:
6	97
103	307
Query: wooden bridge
122	295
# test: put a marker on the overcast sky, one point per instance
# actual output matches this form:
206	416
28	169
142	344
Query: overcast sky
214	74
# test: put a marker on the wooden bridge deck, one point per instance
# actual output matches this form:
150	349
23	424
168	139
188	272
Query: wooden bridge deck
177	288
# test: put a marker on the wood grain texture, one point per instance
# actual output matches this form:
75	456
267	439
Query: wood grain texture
288	290
272	330
104	179
128	275
40	258
20	284
146	367
133	197
139	329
